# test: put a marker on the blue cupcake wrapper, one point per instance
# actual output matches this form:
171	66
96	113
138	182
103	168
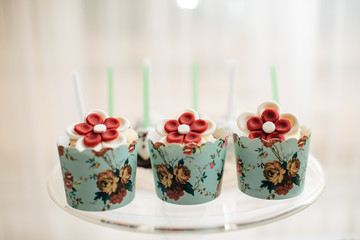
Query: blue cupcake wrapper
271	170
190	174
99	181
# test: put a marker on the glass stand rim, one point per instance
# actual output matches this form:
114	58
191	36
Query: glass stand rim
232	210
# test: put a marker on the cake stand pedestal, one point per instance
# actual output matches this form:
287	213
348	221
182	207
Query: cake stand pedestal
232	210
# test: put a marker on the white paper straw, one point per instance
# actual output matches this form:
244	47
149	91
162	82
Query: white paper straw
233	75
79	95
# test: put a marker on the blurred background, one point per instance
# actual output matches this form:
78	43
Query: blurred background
314	45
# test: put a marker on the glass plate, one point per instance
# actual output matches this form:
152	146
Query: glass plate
233	210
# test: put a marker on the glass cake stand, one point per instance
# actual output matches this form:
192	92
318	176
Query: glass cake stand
233	210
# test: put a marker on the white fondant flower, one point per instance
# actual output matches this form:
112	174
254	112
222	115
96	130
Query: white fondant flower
267	123
187	128
98	131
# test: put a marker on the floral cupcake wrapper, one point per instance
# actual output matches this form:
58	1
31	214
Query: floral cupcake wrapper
188	175
99	181
271	169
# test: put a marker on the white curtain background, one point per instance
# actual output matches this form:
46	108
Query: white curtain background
314	45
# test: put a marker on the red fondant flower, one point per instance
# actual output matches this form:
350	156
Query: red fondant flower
99	131
96	129
188	128
268	123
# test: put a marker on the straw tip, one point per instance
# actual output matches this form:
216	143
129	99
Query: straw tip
75	73
147	62
232	62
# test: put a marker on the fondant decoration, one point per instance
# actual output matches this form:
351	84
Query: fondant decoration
268	123
187	128
98	131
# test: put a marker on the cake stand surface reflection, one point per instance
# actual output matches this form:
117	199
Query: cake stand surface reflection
233	210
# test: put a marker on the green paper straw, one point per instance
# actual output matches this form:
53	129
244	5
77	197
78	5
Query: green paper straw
146	92
111	91
195	83
274	84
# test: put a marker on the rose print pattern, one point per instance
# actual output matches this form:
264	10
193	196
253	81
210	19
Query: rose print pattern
70	183
284	187
280	169
118	195
184	176
302	141
239	166
61	150
281	176
173	181
189	149
112	180
164	175
293	167
125	173
241	171
132	147
107	181
274	172
113	185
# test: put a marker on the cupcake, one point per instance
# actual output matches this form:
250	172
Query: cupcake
187	159
98	160
271	151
